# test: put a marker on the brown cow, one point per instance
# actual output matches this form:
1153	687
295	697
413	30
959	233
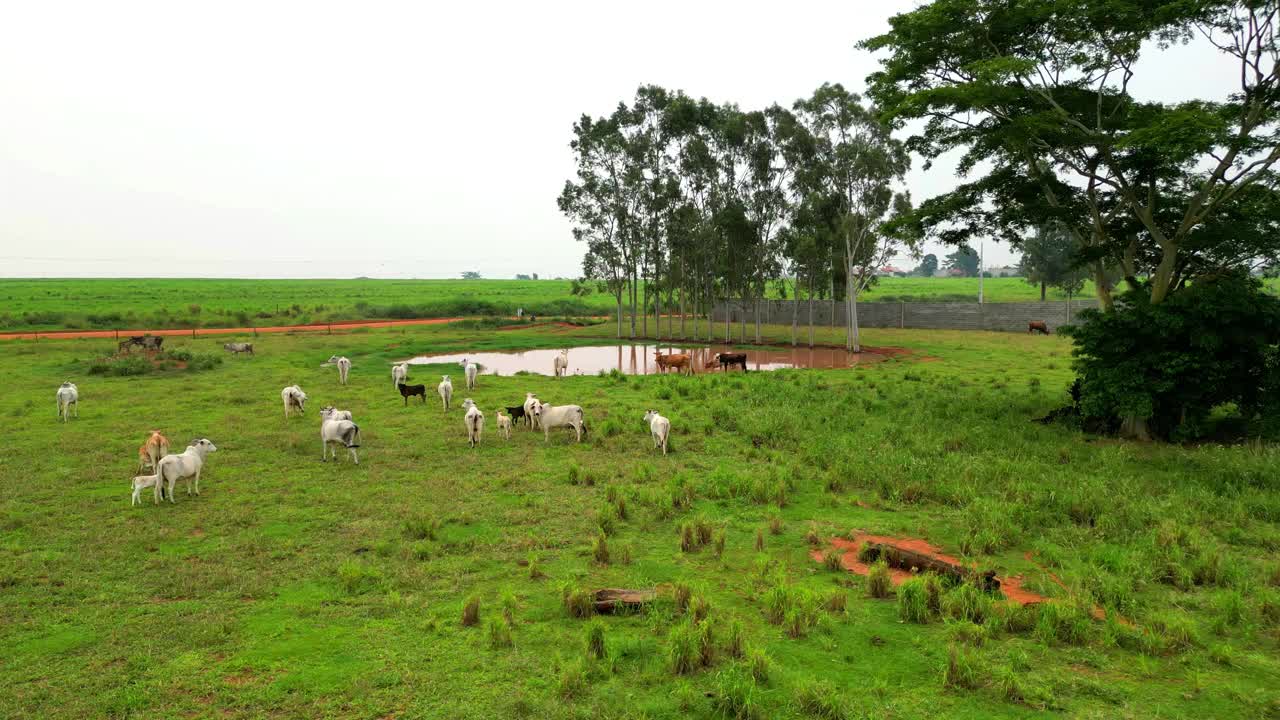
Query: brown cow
150	452
1038	325
678	361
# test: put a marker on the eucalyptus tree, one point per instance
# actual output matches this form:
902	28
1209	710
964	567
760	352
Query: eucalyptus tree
857	162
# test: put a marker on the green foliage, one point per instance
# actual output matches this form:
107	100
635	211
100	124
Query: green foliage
879	581
1171	364
736	695
595	640
820	700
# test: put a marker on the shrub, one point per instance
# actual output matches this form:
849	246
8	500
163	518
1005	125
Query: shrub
759	539
831	560
682	648
836	602
357	578
600	549
820	700
913	600
879	581
595	640
961	670
734	644
699	608
681	593
1166	366
578	603
966	602
1068	623
758	664
572	682
719	544
498	632
775	524
735	695
688	537
471	611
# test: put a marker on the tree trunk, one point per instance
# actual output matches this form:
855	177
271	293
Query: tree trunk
795	310
853	306
811	274
619	299
1042	291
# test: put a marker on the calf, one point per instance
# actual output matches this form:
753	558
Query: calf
445	388
470	370
517	414
659	428
293	399
561	364
399	373
728	360
141	482
1039	326
344	367
530	400
68	400
504	424
474	420
408	391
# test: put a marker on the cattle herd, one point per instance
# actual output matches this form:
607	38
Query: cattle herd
338	428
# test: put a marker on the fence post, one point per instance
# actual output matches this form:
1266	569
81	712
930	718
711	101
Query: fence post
193	333
117	334
902	314
330	328
255	331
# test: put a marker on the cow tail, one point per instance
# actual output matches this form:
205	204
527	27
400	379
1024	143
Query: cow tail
355	435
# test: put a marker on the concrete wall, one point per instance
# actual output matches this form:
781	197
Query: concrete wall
1007	317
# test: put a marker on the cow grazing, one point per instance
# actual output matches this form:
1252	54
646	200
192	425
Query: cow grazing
680	362
470	369
728	360
237	348
293	399
1039	326
550	417
474	420
187	465
560	365
659	428
152	342
149	452
344	367
408	391
399	373
128	343
146	342
334	430
445	388
504	424
530	400
68	400
140	483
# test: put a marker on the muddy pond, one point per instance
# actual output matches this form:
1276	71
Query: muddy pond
638	359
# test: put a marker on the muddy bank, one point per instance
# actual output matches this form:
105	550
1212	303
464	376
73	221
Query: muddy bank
638	359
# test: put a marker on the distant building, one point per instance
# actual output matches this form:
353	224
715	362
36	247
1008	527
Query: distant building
889	270
1004	271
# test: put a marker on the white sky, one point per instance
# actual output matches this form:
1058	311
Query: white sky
274	139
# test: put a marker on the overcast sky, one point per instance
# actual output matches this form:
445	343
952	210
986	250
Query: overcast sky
271	139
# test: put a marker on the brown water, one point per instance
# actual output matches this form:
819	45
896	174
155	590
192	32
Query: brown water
638	359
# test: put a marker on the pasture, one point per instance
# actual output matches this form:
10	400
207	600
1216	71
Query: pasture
295	588
54	304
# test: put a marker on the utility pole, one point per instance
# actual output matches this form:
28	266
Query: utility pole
982	247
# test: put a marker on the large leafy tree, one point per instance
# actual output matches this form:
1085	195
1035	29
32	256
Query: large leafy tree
1035	96
1040	91
1048	261
965	259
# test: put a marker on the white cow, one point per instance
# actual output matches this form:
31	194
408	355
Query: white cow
530	400
336	430
187	465
141	482
474	420
399	374
504	424
68	400
659	428
344	367
550	417
470	369
445	388
561	363
293	399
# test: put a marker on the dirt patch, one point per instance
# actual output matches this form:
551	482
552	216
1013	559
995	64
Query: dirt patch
1011	586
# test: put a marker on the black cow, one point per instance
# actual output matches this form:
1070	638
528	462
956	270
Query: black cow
517	414
728	360
408	391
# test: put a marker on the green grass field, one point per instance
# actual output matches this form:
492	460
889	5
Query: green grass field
142	304
292	588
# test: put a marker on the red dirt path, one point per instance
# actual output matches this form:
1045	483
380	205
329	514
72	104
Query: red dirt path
1011	586
56	334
